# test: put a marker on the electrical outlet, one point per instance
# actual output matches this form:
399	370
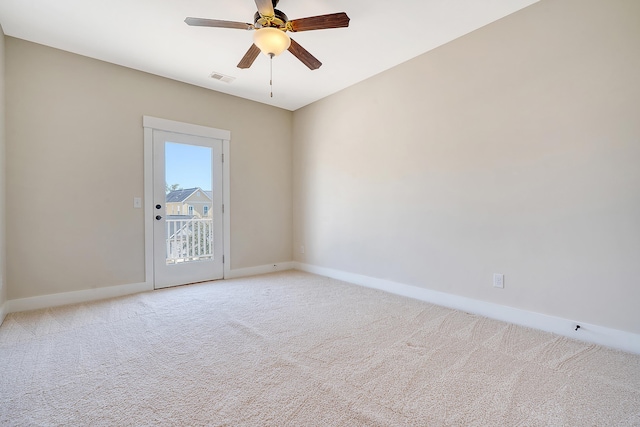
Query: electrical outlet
498	280
137	202
302	249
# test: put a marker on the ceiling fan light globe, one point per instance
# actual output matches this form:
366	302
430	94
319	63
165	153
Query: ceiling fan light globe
271	41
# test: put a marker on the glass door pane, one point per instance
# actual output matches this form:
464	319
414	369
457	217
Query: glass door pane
188	201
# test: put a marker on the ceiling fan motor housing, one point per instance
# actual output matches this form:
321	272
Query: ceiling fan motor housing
279	20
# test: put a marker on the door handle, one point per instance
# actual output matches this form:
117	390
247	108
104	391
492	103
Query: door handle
158	217
158	206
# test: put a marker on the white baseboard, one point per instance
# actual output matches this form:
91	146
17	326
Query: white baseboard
260	269
3	312
85	295
595	334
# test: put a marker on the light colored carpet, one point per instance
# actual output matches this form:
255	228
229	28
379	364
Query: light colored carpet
294	349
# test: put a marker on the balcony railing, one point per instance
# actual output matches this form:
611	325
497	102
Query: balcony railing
189	240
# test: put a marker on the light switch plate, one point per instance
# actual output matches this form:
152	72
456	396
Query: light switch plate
137	202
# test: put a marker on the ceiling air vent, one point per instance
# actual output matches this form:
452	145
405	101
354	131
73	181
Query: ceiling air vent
222	77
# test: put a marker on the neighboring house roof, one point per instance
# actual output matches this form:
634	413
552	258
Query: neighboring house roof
179	196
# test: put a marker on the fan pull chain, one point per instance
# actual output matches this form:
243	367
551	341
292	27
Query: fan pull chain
271	73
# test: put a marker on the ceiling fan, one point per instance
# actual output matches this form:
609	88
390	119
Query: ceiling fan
271	26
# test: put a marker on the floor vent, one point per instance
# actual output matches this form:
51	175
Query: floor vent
222	77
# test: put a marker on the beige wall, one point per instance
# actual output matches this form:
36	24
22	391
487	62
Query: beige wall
3	271
75	138
515	150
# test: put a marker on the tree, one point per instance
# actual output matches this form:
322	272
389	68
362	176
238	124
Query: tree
172	187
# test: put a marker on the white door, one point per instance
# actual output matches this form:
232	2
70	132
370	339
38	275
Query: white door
187	209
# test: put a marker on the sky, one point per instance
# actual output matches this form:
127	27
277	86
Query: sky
188	165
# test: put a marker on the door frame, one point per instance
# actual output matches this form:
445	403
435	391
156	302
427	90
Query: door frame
154	123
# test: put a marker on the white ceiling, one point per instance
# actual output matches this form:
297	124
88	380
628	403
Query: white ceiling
151	36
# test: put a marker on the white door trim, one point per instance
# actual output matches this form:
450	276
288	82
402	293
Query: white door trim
185	128
149	124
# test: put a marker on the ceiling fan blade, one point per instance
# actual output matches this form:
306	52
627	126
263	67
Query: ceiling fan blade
201	22
333	20
265	7
249	57
303	55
